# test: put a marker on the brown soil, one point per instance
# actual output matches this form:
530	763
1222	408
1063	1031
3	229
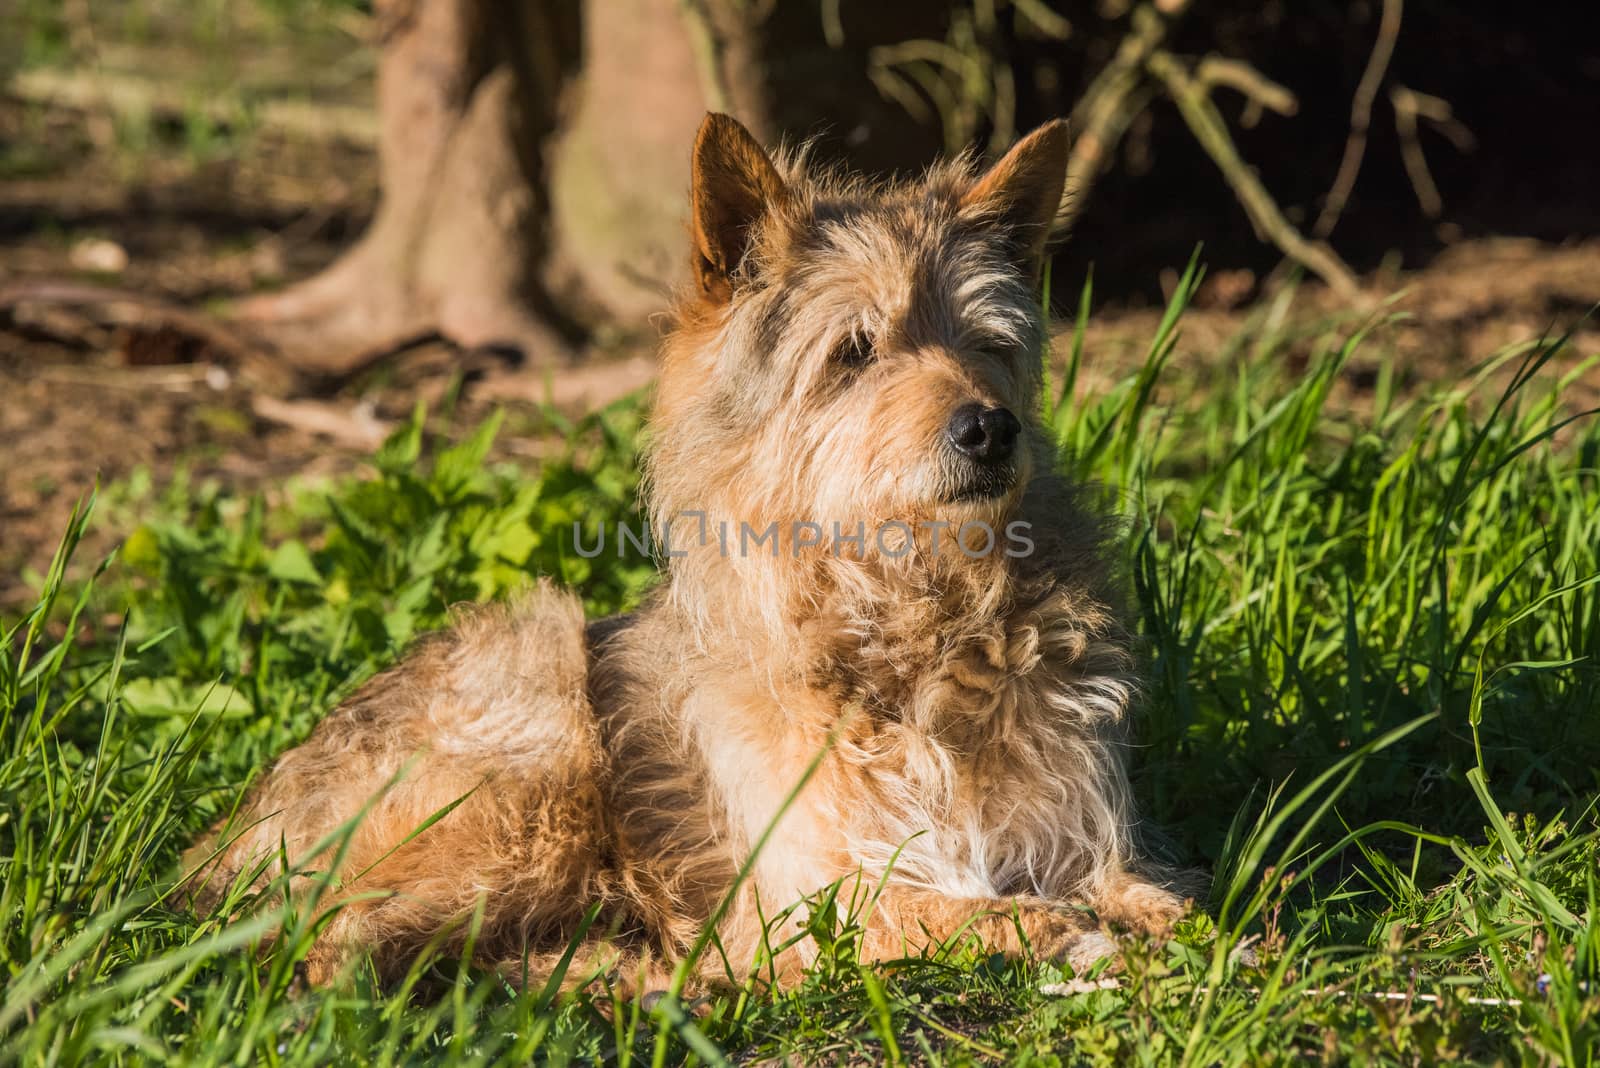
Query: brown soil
94	393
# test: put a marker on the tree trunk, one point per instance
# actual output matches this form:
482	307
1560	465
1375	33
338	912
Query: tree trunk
522	204
619	179
468	92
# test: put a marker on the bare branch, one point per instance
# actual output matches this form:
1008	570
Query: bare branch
1355	147
1209	129
1044	20
1110	103
1261	91
832	24
1408	105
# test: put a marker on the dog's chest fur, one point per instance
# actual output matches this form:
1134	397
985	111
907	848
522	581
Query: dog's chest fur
966	745
970	753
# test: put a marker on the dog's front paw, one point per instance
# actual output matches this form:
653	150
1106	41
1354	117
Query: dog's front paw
1089	949
1136	905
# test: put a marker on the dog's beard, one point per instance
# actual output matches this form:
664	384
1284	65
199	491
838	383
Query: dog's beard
983	484
981	488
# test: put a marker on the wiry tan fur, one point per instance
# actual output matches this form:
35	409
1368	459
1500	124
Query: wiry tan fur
972	709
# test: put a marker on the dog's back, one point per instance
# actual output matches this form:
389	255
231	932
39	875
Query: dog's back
484	729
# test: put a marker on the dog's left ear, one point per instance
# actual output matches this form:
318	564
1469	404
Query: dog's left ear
1022	192
734	184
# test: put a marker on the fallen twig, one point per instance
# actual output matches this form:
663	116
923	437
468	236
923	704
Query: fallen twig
355	427
165	377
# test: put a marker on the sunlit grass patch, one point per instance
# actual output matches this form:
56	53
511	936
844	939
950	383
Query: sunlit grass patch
1372	720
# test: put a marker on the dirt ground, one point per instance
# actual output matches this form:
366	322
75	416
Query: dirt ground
142	374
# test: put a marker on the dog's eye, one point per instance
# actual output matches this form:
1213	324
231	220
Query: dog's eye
853	353
997	351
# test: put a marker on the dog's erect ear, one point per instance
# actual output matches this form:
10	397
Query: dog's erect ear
1023	190
733	185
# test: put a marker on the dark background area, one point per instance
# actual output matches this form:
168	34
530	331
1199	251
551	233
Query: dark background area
1523	79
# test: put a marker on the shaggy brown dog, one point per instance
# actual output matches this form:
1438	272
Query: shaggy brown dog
871	561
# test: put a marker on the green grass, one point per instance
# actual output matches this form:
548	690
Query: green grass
1372	720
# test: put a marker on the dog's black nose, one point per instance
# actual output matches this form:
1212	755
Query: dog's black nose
988	435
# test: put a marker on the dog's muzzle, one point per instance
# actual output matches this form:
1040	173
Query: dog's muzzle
985	439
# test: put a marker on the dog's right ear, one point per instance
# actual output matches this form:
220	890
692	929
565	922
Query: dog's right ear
1022	192
734	184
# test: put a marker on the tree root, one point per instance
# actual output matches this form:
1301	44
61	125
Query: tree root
246	350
